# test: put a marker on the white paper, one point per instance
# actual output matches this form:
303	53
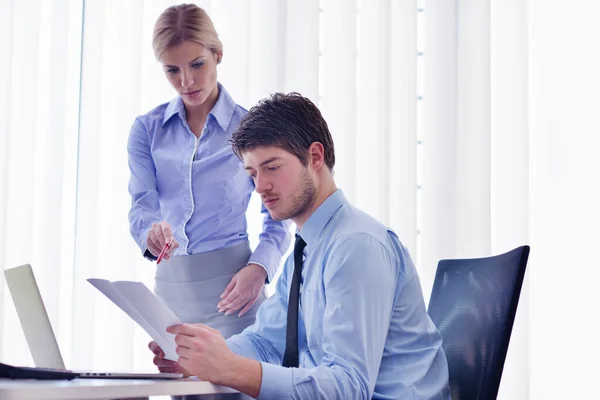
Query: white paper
144	308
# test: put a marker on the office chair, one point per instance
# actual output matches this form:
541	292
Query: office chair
473	304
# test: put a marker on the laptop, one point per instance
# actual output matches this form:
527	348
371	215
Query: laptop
40	335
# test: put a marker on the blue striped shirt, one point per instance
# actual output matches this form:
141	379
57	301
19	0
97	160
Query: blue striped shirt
363	330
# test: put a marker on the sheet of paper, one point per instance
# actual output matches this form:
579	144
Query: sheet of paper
152	314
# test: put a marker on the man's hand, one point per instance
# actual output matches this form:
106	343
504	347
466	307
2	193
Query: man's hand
203	352
158	236
163	364
243	290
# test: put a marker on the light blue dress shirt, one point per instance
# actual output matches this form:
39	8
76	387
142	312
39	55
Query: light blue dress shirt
199	186
363	330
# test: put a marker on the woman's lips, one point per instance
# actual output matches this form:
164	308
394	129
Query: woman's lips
192	95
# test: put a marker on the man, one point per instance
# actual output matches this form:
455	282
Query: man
360	330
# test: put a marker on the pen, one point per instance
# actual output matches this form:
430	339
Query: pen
164	250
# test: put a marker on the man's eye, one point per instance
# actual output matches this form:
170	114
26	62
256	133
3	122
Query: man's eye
272	168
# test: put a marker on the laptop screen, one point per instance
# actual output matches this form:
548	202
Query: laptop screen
33	317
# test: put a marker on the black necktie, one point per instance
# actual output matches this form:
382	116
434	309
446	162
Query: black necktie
290	357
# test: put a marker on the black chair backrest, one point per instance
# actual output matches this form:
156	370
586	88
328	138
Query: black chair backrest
473	304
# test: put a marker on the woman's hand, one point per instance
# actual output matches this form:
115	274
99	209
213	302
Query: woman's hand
158	236
243	290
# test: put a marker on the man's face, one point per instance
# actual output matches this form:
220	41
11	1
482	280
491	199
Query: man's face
286	186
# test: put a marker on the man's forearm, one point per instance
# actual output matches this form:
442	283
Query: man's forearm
245	376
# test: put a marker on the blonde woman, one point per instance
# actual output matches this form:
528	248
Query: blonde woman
187	186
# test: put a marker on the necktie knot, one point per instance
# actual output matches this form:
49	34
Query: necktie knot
300	245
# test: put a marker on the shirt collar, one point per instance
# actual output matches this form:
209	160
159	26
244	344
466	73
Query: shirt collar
315	224
175	107
222	111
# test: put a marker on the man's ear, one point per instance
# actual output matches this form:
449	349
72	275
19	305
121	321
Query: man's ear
316	155
219	57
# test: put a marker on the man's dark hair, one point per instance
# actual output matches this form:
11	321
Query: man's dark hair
288	121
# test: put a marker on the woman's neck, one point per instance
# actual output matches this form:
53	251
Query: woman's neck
200	112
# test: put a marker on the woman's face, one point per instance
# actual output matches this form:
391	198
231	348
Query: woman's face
192	70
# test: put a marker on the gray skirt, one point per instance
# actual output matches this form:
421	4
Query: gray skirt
192	285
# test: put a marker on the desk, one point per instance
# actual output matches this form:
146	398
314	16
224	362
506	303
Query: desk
101	389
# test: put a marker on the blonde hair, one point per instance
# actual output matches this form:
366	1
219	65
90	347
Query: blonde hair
181	23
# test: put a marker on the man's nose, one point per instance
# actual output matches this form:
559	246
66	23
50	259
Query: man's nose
262	184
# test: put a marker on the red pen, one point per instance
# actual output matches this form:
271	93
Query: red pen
164	250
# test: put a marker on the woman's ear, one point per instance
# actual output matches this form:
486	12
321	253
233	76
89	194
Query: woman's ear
219	57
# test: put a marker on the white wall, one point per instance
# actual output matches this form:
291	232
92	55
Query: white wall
565	198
